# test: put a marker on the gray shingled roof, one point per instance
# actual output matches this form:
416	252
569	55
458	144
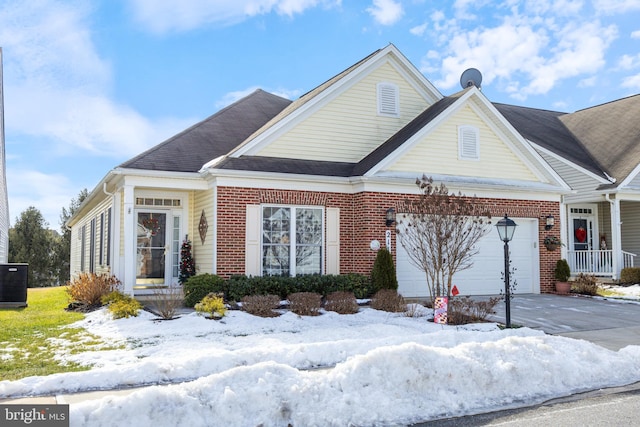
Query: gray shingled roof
213	137
611	132
546	129
283	165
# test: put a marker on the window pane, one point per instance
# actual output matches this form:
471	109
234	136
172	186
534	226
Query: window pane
308	260
276	224
308	241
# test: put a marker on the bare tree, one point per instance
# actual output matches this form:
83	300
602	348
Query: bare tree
440	232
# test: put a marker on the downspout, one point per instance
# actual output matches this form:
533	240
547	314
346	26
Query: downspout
616	235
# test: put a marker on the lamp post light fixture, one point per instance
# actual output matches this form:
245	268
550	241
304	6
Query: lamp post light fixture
390	217
506	227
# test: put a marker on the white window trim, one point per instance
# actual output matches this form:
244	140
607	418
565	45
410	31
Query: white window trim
465	131
384	107
292	243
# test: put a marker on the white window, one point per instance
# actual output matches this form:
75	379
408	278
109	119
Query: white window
388	99
291	240
468	143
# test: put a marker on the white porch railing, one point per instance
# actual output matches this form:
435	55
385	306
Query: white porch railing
596	262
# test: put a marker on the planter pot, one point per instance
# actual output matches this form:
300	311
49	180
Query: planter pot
551	247
563	288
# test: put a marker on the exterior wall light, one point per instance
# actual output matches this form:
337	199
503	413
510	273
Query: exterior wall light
550	222
390	217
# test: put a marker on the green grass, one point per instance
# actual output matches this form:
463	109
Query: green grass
30	336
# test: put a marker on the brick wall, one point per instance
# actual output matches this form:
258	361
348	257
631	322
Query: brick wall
362	219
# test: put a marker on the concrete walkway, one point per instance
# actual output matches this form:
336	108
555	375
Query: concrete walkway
612	324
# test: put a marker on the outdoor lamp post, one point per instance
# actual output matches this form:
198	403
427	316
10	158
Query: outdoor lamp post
506	227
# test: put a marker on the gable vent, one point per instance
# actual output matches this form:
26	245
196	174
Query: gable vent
388	99
468	143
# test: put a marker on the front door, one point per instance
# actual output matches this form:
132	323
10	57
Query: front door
583	238
151	249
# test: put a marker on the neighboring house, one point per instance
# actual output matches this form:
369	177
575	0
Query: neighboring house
270	186
4	196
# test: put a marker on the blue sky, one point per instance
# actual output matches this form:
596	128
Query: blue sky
90	84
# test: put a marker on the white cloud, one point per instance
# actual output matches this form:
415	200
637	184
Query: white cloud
58	86
635	34
629	62
528	53
632	82
386	12
161	16
612	7
418	30
51	191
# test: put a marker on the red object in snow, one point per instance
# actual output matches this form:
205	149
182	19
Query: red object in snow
454	290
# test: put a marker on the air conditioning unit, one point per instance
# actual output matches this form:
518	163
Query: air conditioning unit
13	285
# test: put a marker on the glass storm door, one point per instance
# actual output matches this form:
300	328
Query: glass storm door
151	248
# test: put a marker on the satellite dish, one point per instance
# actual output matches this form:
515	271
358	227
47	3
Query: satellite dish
470	77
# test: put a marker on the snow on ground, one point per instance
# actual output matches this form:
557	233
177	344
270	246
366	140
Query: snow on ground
625	292
378	369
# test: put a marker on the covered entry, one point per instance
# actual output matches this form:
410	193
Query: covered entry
485	276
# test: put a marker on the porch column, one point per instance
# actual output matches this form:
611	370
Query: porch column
129	240
616	237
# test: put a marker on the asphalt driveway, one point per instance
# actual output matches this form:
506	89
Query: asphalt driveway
612	324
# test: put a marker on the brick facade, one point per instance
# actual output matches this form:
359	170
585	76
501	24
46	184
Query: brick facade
362	219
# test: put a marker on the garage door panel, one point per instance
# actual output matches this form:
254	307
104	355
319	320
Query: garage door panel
485	276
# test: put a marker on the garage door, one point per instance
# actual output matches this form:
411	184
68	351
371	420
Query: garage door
485	276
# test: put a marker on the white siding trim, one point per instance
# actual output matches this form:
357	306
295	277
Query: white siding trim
333	241
253	258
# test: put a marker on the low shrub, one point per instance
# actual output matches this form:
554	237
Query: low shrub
462	310
121	305
585	284
87	289
201	285
342	302
388	300
630	276
261	305
237	287
213	304
305	303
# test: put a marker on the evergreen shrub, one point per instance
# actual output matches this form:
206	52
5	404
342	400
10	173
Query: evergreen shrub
199	286
383	275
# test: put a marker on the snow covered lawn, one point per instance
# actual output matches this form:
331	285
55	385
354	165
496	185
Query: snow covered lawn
377	369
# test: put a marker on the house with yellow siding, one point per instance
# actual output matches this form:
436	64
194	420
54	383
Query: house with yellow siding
243	183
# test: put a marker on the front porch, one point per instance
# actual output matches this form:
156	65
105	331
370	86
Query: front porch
597	262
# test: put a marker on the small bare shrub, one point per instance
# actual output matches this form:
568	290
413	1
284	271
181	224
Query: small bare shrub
166	302
462	310
88	288
261	305
585	284
342	302
305	303
388	300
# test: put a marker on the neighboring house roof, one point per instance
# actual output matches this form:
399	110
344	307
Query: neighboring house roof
545	128
611	132
213	137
